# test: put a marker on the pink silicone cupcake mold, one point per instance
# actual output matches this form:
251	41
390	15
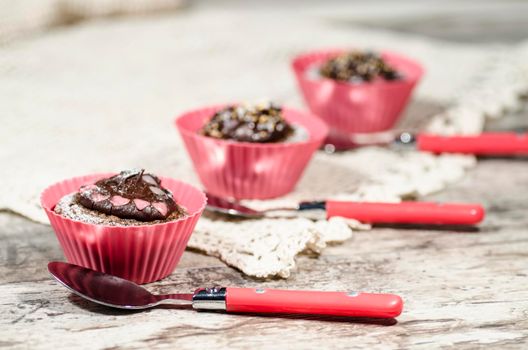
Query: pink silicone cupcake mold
141	254
355	108
244	170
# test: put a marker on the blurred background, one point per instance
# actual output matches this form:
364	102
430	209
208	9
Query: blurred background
462	21
96	84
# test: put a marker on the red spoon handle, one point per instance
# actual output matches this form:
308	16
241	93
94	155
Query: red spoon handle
408	212
504	143
350	304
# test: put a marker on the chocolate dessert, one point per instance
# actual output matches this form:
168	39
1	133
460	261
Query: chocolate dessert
357	67
132	197
263	123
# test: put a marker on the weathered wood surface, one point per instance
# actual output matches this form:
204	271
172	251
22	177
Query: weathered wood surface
462	289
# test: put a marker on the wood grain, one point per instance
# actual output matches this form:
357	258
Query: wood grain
461	288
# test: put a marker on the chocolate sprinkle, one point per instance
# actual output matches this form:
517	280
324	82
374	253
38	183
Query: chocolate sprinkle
260	123
357	67
132	194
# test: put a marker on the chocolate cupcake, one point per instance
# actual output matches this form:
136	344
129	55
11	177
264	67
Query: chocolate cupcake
133	225
358	67
132	197
246	152
355	92
260	123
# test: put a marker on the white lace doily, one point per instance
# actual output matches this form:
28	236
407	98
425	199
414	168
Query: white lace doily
101	97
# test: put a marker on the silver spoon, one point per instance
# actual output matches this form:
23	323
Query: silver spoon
367	212
499	143
230	207
119	293
109	290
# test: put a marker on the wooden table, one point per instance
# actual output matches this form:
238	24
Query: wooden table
462	289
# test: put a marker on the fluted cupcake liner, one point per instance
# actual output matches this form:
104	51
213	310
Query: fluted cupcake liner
244	170
355	108
141	254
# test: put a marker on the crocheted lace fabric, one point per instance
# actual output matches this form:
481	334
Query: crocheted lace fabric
101	96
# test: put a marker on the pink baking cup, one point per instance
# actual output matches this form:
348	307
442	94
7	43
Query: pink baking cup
141	254
244	170
355	108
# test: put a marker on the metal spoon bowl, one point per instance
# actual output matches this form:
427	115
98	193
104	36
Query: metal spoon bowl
228	207
233	208
110	290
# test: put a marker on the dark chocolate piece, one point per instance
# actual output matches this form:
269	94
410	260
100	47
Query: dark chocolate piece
357	67
69	206
259	123
132	194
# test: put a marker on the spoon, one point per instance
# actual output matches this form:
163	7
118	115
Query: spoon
119	293
367	212
499	143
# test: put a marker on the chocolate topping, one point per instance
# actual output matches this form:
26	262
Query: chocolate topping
132	194
357	67
259	123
